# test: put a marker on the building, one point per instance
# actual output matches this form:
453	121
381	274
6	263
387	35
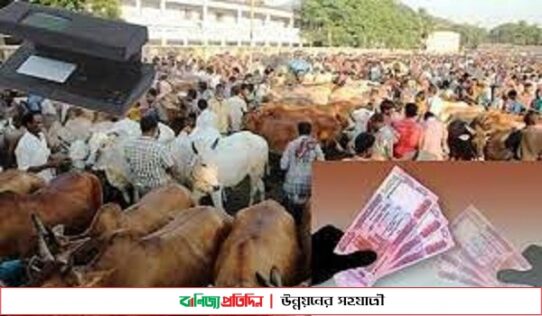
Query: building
443	42
213	22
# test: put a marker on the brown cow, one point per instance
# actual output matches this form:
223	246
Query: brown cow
70	199
278	125
20	182
263	237
153	211
531	144
180	254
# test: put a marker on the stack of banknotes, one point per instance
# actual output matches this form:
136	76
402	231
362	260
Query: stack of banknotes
404	224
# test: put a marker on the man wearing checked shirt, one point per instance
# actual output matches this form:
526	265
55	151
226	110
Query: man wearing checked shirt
150	163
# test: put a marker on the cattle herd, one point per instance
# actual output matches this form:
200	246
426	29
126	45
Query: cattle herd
90	227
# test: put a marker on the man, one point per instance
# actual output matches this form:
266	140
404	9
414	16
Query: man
32	152
364	147
150	163
237	107
207	118
387	108
436	104
410	134
297	161
219	107
513	105
434	146
385	137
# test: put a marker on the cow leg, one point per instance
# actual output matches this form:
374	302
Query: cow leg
261	188
256	185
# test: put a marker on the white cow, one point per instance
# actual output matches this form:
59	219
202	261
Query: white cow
183	155
226	163
104	151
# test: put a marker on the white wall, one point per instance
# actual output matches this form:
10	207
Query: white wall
443	42
271	25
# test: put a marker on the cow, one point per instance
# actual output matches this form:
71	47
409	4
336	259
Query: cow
71	200
150	213
20	182
465	141
531	144
453	111
226	163
278	125
182	253
263	237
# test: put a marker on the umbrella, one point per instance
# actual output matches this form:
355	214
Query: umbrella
299	66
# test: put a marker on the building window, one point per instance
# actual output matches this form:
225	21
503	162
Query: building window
150	4
129	3
220	17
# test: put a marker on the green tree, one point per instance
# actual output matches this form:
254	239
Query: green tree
520	33
102	8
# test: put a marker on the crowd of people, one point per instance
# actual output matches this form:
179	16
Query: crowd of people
405	103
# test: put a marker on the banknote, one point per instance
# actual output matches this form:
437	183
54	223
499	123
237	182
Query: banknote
463	268
450	272
385	223
431	224
433	245
481	251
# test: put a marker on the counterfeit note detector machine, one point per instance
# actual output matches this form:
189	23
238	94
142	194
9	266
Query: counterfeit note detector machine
75	58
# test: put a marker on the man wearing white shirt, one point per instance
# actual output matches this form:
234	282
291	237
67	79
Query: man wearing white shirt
207	118
32	152
237	108
436	104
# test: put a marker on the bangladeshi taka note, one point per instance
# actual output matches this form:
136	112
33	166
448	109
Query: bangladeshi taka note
481	252
387	222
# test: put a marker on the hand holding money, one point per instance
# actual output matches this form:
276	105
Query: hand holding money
325	263
532	277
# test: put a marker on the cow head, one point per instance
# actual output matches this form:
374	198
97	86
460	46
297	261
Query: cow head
55	252
204	170
467	141
480	138
78	153
98	144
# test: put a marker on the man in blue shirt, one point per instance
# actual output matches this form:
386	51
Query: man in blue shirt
513	105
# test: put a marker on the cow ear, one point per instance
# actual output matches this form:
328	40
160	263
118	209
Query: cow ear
215	144
194	148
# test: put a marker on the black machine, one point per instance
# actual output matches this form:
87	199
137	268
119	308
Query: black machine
75	58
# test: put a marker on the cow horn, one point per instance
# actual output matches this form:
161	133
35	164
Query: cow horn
276	278
262	281
470	130
213	146
44	250
194	148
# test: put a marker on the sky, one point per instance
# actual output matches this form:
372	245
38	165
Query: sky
486	13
